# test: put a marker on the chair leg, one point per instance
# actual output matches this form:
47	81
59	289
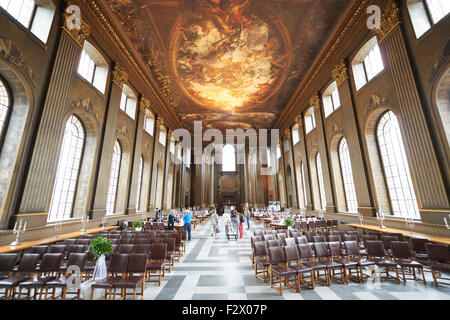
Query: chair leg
404	276
434	277
423	277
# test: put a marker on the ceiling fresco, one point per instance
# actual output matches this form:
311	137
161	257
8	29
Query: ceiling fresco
228	63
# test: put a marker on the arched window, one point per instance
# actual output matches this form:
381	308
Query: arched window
67	173
347	177
93	67
228	158
304	185
149	123
310	121
425	13
114	179
295	134
128	102
395	165
331	99
367	63
5	107
323	200
139	182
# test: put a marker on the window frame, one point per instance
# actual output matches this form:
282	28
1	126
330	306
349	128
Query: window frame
310	114
117	181
146	118
9	107
349	176
359	64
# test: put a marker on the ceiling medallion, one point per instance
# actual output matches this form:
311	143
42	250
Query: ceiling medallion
226	59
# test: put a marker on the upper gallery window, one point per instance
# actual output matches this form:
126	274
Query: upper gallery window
295	134
93	67
5	102
310	122
63	195
149	124
331	99
162	136
425	13
128	101
228	158
37	18
367	63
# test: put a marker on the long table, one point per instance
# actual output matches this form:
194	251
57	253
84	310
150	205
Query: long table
407	234
43	241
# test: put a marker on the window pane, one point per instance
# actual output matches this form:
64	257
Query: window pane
113	179
87	67
327	105
148	125
123	102
4	105
335	99
347	177
162	136
295	135
139	183
21	10
67	173
228	158
323	200
419	17
398	178
438	9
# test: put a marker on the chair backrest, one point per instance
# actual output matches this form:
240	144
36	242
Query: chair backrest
320	238
305	250
310	236
335	223
401	249
353	233
158	251
40	250
369	238
69	242
351	247
289	242
273	243
137	263
399	236
170	244
300	240
77	259
118	263
375	248
291	253
375	233
438	252
83	241
260	249
142	248
351	237
51	262
140	240
276	255
281	236
259	233
321	249
7	261
28	262
126	248
335	249
418	244
334	238
269	232
387	241
60	248
77	248
125	241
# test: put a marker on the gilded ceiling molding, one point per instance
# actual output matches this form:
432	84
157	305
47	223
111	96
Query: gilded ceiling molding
287	133
77	34
145	104
315	102
340	73
119	75
298	120
160	122
390	18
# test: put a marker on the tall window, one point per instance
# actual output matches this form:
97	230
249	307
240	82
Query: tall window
37	18
347	177
395	165
367	63
295	134
128	102
139	182
228	158
310	122
304	184
331	99
114	179
162	136
323	200
149	123
5	102
425	13
93	67
69	163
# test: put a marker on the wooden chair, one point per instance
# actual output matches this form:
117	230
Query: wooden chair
439	256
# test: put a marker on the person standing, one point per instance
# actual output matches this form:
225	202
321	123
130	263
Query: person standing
187	223
235	221
241	225
170	221
247	217
214	223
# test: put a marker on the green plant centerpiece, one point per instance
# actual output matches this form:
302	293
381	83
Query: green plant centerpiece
137	225
99	246
289	222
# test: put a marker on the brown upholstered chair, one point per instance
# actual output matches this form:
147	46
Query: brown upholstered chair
58	249
419	249
320	238
289	242
157	262
70	242
387	243
378	234
126	248
403	258
353	253
278	270
294	261
301	240
268	237
261	261
170	254
179	249
274	243
323	256
116	271
137	264
7	263
308	259
40	250
48	270
75	259
142	248
377	254
140	241
84	242
24	272
348	265
310	236
254	239
439	255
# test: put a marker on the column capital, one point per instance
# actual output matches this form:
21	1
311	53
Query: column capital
160	122
78	34
119	75
340	73
287	133
390	18
145	104
315	102
298	120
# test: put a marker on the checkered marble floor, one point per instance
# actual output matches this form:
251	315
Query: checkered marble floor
218	269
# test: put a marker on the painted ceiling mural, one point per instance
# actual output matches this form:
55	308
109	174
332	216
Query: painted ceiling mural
228	63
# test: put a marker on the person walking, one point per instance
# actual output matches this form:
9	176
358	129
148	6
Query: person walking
170	221
235	221
241	225
187	223
214	223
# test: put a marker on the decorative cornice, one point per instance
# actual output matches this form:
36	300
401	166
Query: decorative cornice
340	73
287	133
159	122
315	102
390	18
119	75
298	120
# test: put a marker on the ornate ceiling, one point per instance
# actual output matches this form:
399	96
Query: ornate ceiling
228	63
